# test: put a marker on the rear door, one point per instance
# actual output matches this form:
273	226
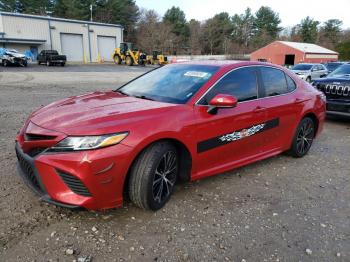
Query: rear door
231	135
282	105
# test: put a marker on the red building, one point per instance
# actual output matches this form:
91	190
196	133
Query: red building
290	53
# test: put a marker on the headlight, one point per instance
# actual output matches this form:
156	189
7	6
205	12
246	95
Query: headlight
78	143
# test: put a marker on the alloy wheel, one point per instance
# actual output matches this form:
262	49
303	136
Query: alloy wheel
305	137
165	177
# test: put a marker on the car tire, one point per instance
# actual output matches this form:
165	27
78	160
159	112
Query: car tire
303	137
39	63
63	64
48	63
308	79
5	63
153	176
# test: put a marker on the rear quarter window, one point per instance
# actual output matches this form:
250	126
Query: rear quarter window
290	83
274	81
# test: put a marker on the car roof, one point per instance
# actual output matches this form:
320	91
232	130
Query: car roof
226	64
308	64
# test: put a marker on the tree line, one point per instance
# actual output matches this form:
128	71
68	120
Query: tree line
172	33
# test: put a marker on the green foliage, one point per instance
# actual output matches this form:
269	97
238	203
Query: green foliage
332	29
242	27
217	32
40	7
177	19
344	50
221	34
308	30
266	25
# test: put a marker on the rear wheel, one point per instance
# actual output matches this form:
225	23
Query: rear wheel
303	138
129	61
63	64
48	63
5	63
153	176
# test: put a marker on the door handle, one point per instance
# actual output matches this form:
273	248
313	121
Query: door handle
259	109
300	100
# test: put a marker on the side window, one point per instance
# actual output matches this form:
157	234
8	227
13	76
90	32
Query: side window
274	81
241	83
291	84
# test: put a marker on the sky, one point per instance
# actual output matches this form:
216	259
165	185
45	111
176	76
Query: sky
290	11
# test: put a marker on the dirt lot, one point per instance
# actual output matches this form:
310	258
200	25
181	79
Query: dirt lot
280	209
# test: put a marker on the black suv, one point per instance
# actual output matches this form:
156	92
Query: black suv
336	87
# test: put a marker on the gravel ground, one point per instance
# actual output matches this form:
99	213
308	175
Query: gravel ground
280	209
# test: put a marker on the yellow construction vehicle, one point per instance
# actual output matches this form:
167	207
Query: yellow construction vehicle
129	55
157	58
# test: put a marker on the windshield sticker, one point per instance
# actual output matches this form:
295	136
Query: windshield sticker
196	74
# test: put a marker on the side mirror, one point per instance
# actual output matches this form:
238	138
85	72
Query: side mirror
221	101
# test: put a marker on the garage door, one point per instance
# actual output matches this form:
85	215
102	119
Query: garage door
72	47
106	45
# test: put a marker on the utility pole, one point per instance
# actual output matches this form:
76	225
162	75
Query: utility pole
91	13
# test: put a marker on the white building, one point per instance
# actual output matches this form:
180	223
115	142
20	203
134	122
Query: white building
80	41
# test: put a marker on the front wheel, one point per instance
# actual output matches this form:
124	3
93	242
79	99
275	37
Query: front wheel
129	61
308	79
303	138
117	60
153	176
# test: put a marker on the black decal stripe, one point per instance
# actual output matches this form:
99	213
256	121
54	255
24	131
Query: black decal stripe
216	141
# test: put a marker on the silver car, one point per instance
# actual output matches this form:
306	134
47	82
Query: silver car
310	72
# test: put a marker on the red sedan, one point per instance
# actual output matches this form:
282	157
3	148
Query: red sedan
181	121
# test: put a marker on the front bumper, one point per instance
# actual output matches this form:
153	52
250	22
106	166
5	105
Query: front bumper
92	180
338	107
26	169
302	76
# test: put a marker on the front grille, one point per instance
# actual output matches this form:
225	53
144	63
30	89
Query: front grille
36	137
28	171
74	183
36	151
333	90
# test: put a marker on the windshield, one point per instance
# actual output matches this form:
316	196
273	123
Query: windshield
333	66
51	52
172	84
343	70
302	67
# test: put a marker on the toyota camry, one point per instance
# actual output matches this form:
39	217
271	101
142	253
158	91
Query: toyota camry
183	121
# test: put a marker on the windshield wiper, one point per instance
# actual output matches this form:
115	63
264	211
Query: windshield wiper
144	97
121	92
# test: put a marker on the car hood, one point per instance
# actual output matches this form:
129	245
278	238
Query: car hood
97	113
333	80
17	55
301	71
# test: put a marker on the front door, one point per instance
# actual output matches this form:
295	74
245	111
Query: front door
232	135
